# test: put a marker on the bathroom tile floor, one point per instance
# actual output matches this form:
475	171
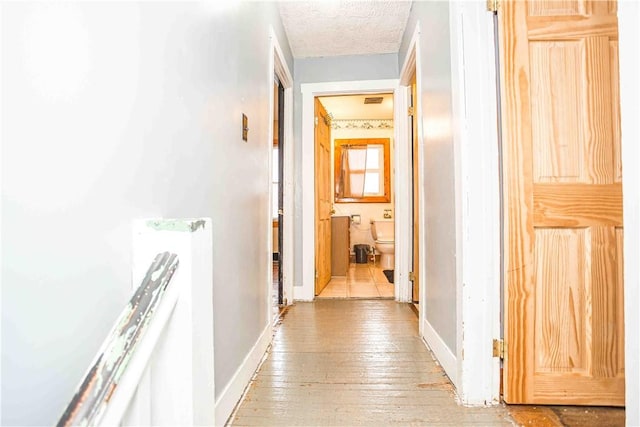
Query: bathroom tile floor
361	281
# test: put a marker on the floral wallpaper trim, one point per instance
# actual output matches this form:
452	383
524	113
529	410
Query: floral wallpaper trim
362	124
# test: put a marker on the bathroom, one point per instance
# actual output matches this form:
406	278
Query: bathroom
367	118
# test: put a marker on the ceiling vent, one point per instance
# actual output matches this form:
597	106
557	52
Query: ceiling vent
373	100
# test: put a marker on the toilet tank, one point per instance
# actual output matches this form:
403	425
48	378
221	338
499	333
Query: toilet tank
383	229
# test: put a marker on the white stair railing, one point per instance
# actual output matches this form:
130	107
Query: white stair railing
156	365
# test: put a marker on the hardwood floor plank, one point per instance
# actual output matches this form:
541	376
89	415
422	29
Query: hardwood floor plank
389	385
380	417
388	366
354	362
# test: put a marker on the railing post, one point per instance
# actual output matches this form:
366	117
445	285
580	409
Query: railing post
179	387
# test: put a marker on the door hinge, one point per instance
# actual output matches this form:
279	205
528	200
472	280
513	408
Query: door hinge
410	111
317	275
316	121
492	5
498	348
412	276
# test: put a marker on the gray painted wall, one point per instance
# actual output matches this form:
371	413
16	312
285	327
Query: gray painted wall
320	70
117	111
439	168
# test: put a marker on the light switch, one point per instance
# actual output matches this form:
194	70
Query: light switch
245	127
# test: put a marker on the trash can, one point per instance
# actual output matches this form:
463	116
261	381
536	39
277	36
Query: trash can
361	253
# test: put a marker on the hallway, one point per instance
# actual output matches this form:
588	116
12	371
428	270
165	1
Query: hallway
353	362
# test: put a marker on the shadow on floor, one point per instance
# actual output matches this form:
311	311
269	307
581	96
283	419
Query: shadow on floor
566	416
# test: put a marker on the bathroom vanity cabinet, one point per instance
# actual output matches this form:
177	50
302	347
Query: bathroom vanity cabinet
340	245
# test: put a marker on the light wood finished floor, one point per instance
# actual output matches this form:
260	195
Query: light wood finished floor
354	362
361	281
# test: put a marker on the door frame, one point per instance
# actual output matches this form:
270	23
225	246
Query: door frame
309	92
278	68
478	202
412	64
280	130
472	369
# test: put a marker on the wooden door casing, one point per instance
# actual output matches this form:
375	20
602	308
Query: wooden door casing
564	324
324	197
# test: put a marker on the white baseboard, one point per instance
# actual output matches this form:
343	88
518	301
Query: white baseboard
442	352
232	393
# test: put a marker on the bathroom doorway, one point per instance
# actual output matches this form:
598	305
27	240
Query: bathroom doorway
310	91
354	139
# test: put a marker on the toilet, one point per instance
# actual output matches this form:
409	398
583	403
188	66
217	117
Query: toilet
382	231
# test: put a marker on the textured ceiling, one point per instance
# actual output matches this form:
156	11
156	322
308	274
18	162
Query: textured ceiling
349	107
332	28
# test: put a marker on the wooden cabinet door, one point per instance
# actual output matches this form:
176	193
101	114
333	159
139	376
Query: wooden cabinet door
563	202
340	247
324	197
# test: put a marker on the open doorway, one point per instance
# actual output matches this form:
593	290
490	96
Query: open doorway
279	283
354	139
310	91
277	193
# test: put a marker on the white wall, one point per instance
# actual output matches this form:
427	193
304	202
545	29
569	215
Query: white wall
439	203
361	233
115	111
328	69
629	40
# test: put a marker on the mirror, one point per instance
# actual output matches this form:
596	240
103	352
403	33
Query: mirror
361	172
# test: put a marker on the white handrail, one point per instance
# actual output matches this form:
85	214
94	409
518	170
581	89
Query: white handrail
162	374
104	394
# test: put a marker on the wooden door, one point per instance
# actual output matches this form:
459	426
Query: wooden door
324	201
416	199
563	202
